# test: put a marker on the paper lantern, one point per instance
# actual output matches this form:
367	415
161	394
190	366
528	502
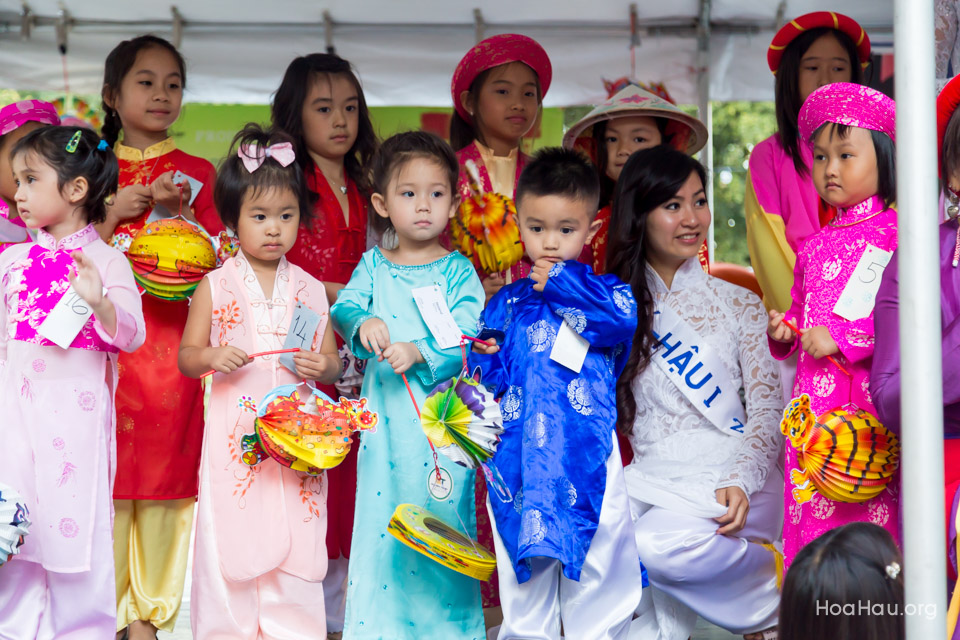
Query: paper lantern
169	258
845	454
305	431
426	533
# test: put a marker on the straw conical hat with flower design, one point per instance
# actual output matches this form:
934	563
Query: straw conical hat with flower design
683	131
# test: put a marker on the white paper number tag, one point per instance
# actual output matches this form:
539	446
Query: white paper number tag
195	185
303	327
160	212
860	293
66	319
570	348
436	314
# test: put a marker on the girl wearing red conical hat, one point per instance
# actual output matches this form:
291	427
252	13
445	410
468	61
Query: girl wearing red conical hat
781	205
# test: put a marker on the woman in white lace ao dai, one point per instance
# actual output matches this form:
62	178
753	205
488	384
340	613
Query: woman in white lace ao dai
704	464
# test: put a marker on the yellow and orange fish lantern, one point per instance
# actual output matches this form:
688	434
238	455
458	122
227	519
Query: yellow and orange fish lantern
485	228
845	454
303	429
169	258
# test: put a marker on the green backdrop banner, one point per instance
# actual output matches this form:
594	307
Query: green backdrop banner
206	130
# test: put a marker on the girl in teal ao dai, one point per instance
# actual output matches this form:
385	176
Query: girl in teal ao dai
393	591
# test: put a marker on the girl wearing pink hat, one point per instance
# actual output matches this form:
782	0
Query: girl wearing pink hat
849	130
17	119
497	92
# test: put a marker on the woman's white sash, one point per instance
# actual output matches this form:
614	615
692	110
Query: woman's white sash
697	371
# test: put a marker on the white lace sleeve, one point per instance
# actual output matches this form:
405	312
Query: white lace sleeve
761	441
945	33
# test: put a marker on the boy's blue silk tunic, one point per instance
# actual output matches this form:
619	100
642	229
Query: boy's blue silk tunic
557	423
393	591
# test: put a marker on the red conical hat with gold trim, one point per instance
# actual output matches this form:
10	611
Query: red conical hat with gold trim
807	21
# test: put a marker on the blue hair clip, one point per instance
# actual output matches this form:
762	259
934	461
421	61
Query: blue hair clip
74	141
103	146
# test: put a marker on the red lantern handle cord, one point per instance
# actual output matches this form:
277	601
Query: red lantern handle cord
256	355
436	461
463	352
830	358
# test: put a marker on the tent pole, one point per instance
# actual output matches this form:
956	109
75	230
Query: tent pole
176	31
328	33
479	25
781	15
706	111
922	492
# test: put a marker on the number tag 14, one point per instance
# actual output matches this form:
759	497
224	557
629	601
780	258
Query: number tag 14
860	293
303	328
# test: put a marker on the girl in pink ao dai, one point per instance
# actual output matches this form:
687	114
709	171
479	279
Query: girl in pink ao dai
58	380
851	129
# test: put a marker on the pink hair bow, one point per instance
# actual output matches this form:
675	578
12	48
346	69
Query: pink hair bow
253	156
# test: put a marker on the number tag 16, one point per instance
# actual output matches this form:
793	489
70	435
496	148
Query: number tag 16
66	319
860	293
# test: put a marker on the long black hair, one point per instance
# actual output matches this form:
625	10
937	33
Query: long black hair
462	132
88	159
650	178
787	88
286	111
119	62
845	585
949	152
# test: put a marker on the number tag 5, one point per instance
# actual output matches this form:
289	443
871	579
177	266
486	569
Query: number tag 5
860	293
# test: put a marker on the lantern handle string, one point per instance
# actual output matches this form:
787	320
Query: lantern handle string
256	355
794	328
436	460
490	471
466	533
196	224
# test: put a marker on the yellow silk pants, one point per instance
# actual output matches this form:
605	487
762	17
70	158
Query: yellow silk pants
151	539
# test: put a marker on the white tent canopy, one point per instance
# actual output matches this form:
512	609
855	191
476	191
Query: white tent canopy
406	52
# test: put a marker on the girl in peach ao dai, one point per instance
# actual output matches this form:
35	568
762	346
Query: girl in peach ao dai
260	555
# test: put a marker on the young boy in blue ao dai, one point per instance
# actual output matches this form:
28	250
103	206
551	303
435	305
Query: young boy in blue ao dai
557	341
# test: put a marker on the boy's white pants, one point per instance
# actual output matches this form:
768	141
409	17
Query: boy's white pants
599	606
